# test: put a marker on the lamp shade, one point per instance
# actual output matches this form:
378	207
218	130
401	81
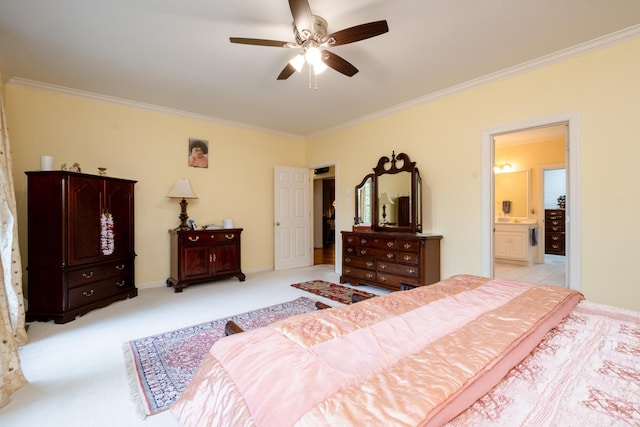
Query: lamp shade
182	190
385	199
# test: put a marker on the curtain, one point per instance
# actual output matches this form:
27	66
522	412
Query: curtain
12	313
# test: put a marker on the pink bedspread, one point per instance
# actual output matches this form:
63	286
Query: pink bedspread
411	358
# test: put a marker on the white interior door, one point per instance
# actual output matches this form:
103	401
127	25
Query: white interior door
292	218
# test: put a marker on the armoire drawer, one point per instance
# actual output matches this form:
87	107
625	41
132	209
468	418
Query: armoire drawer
96	291
99	272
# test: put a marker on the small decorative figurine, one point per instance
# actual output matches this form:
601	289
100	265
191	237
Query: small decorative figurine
75	168
63	167
102	171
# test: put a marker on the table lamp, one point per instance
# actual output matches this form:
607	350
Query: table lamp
385	200
182	190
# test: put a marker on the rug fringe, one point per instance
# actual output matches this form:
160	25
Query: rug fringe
135	390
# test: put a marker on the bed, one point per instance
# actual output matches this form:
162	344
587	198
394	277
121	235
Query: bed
465	351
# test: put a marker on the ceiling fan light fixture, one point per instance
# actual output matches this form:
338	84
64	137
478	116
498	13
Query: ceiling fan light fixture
313	56
297	62
319	67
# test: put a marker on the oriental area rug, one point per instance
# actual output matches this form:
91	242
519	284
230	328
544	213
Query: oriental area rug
331	290
160	366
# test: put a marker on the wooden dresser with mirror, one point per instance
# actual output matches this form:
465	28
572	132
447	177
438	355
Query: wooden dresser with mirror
387	248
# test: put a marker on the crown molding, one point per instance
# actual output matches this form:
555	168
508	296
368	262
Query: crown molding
19	81
554	58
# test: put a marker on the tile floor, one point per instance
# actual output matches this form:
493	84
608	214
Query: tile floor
552	272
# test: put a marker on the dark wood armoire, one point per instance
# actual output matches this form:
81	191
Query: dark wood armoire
80	245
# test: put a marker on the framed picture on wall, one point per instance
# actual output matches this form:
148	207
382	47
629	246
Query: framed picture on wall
198	153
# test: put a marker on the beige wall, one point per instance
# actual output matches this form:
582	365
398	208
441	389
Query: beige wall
444	137
151	147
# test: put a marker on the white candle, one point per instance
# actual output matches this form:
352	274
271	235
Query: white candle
46	163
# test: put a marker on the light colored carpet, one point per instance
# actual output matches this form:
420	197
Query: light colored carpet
76	371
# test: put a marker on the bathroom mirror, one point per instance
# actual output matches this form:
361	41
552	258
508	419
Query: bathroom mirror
513	193
389	199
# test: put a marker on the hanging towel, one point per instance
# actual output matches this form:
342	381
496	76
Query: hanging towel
506	206
534	236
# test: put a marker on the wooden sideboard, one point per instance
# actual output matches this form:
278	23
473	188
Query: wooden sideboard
199	256
389	260
80	243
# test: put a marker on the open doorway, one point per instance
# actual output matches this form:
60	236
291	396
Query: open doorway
529	232
573	219
324	215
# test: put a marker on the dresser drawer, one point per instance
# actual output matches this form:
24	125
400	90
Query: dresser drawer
408	245
96	291
554	243
401	269
355	261
359	273
98	272
373	242
408	258
555	225
390	280
381	254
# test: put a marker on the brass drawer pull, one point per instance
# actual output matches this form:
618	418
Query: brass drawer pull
87	276
363	251
383	278
347	260
350	239
411	271
230	236
363	241
370	264
194	239
389	255
121	284
408	245
347	270
407	257
349	250
383	266
555	246
390	244
555	237
87	294
369	276
120	267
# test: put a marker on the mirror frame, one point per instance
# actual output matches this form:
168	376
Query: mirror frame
382	168
359	215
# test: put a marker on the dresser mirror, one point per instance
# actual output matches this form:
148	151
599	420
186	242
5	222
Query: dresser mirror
364	201
390	198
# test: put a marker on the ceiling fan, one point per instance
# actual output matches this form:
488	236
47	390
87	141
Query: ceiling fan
310	32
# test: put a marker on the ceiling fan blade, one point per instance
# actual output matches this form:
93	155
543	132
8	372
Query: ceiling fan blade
302	17
357	33
261	42
338	63
286	72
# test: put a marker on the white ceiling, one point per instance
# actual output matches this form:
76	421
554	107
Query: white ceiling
177	54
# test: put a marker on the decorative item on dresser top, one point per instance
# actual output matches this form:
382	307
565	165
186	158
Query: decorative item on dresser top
386	248
80	243
199	256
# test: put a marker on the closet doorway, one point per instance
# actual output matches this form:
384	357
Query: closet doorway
515	146
324	215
